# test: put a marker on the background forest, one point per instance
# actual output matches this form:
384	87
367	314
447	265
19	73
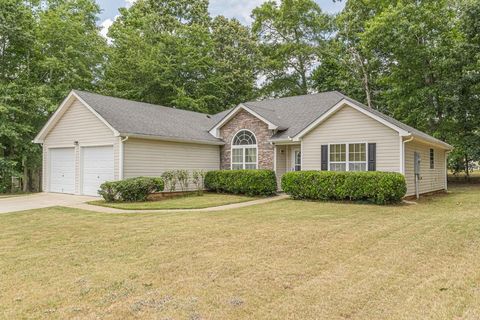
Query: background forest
416	60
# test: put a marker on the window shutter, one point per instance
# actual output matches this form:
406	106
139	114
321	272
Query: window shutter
372	157
324	156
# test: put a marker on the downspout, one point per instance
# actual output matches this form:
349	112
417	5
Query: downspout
121	157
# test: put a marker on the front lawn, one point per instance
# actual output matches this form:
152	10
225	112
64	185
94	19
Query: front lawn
282	260
188	202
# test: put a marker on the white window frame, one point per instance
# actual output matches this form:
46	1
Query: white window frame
243	147
347	155
294	159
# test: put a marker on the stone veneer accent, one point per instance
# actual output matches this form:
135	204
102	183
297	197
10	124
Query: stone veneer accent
245	120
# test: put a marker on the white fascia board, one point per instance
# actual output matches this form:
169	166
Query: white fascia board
59	113
337	107
230	115
431	142
171	139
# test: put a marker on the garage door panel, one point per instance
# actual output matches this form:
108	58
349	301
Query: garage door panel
62	170
97	168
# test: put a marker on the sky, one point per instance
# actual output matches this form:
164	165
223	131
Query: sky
239	9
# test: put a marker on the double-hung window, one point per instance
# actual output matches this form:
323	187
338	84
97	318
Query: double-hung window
348	157
244	151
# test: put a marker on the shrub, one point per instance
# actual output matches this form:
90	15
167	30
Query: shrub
132	190
198	178
373	186
182	178
170	179
248	182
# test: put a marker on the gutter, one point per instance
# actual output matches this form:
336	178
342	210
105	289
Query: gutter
172	139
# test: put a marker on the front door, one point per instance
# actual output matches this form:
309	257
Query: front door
296	159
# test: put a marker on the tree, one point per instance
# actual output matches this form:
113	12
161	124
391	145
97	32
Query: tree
291	35
177	56
464	115
47	49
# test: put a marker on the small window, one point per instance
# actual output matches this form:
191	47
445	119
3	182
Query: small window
432	159
298	160
348	157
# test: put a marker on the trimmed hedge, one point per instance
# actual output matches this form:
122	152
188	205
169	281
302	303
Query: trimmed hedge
372	186
248	182
131	190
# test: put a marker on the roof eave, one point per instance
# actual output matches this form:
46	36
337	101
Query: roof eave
171	139
434	142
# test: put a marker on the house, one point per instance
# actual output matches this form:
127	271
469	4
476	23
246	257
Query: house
93	138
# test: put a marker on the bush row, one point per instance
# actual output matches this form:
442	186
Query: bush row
377	187
132	190
248	182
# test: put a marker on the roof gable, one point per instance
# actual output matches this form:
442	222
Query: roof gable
126	117
228	116
61	110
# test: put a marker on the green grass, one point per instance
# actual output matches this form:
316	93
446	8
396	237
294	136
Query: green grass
282	260
189	202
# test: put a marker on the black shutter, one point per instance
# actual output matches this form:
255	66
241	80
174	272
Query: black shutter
324	156
372	157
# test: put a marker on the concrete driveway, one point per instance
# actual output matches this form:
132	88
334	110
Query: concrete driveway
41	200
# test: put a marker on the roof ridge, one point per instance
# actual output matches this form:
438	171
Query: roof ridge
297	96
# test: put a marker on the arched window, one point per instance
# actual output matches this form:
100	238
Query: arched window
244	150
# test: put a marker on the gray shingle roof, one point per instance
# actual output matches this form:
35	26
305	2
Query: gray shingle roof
296	113
131	117
290	114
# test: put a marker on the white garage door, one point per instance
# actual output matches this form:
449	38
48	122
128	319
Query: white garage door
62	170
97	167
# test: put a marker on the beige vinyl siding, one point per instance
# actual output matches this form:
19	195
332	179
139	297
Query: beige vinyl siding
431	179
348	125
144	157
78	123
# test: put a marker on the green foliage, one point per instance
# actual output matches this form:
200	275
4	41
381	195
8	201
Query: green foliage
178	56
130	190
7	171
198	179
182	177
170	179
376	187
248	182
290	35
47	48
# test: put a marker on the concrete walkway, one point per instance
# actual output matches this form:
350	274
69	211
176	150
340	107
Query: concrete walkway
90	207
41	200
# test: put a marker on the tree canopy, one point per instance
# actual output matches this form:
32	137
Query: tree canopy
418	61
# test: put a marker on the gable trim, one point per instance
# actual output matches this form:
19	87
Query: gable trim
215	130
57	115
337	107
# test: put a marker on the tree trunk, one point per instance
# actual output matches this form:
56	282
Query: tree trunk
25	175
467	173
